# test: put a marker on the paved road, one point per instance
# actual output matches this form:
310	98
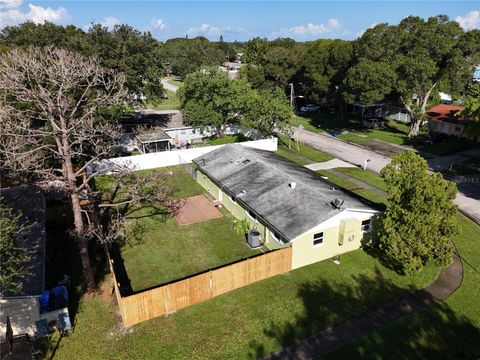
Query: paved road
468	197
168	86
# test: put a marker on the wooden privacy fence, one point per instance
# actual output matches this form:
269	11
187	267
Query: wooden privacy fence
168	298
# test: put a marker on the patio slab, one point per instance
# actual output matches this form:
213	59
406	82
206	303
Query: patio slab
197	209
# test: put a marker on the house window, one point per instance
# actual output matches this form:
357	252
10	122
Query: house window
233	199
276	236
458	128
318	239
365	226
251	215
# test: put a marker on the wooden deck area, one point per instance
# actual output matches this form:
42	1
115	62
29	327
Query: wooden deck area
197	209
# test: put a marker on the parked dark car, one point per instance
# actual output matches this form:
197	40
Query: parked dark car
432	139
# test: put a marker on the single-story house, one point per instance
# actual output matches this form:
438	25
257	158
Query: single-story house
443	119
287	203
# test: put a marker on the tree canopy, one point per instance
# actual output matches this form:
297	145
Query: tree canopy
211	99
420	218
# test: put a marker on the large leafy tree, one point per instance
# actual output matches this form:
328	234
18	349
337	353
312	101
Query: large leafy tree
211	99
14	256
472	109
323	69
425	55
420	218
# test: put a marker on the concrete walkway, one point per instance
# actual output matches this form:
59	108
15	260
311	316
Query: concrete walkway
330	164
168	86
468	197
353	329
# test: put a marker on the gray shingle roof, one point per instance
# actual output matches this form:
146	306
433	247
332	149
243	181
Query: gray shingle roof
266	182
31	202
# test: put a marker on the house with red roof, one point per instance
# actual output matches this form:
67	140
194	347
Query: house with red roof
443	119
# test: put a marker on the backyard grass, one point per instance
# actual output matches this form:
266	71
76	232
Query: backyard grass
158	250
247	322
178	83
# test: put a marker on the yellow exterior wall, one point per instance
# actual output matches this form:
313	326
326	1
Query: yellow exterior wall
304	253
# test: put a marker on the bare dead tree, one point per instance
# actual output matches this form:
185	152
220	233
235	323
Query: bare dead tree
51	132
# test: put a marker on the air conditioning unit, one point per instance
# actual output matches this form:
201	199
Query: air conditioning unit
254	239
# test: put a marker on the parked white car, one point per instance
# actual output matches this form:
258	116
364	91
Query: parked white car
373	123
310	108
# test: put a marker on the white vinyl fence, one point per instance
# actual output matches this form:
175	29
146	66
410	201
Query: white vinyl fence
174	157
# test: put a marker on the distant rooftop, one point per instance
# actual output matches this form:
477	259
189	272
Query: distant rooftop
290	198
445	112
31	202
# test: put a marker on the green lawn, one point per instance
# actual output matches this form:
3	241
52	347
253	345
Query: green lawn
247	322
178	83
172	103
449	330
301	154
227	139
366	176
158	250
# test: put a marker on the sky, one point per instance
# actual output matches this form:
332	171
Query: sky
237	20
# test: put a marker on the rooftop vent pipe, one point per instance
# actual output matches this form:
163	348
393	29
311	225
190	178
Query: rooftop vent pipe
293	184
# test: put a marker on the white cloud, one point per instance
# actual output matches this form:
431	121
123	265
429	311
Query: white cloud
470	21
332	25
361	32
209	30
158	24
110	22
12	14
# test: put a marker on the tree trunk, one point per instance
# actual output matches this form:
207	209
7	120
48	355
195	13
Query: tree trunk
414	127
82	243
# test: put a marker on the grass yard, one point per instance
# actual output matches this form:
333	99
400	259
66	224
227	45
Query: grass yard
301	154
247	322
227	139
158	250
172	103
366	176
178	83
449	330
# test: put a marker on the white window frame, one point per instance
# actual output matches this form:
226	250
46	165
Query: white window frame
250	216
322	237
362	227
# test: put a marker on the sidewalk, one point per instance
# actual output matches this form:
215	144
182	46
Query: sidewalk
353	329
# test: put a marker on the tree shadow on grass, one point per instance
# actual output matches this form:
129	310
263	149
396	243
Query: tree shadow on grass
434	333
327	304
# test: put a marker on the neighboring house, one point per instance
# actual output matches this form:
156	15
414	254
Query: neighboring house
231	68
443	119
23	308
289	204
31	304
476	74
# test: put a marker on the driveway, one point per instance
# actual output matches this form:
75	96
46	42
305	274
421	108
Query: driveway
468	197
168	86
